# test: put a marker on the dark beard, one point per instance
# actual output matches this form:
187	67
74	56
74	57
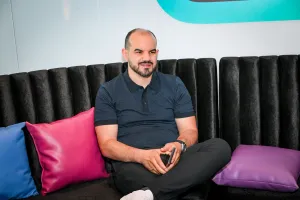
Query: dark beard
147	74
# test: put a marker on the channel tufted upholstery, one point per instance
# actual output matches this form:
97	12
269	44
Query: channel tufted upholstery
259	104
58	93
49	95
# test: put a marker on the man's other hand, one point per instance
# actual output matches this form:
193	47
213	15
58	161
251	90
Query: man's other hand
168	148
152	161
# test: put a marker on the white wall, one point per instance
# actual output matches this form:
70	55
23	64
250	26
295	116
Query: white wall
8	55
61	33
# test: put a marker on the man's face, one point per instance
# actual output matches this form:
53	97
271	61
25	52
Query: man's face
142	54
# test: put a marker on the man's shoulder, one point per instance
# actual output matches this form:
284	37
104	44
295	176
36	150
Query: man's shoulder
169	78
166	77
113	87
114	83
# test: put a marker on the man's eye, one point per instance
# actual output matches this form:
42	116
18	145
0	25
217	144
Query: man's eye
153	52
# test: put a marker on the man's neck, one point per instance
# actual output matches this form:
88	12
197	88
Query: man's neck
139	80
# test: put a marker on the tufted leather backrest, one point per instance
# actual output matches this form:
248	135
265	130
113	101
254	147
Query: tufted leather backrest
49	95
259	100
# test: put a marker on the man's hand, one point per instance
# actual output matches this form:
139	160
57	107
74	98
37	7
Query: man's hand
168	148
152	161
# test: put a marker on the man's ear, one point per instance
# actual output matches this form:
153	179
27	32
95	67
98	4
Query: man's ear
125	54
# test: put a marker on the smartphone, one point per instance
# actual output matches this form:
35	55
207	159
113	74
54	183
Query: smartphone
171	157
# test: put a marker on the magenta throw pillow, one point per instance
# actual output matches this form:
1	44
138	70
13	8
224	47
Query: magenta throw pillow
68	151
261	167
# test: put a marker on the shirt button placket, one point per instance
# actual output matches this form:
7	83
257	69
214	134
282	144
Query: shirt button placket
144	99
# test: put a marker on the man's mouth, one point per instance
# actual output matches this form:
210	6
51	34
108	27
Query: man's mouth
146	64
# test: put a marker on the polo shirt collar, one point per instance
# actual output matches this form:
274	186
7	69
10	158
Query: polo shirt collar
132	86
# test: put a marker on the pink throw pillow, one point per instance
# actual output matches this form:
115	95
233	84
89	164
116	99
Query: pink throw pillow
68	151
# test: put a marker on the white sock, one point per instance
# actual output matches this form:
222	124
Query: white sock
139	195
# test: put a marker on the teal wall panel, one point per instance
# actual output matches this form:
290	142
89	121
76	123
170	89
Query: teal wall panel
211	12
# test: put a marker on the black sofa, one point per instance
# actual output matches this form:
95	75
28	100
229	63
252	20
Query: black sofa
50	95
257	102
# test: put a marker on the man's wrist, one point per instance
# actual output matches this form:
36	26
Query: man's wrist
138	155
178	146
183	144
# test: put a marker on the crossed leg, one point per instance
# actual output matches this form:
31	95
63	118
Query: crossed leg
196	166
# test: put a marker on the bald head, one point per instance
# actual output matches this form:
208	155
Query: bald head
137	31
141	53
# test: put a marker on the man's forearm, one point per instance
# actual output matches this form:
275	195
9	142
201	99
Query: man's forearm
190	137
118	151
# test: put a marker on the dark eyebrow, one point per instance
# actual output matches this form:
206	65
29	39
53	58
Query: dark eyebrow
142	50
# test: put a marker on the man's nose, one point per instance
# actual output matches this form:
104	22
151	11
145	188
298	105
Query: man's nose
146	56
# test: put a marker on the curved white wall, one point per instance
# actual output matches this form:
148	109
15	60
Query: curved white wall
47	34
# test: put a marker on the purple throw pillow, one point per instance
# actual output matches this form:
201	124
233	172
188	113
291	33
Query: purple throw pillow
261	167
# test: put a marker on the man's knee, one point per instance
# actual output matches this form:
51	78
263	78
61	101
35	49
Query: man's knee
132	176
222	148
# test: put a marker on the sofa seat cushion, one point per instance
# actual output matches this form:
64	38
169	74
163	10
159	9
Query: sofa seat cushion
199	192
250	194
91	190
234	193
102	190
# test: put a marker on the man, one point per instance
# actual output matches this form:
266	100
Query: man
142	114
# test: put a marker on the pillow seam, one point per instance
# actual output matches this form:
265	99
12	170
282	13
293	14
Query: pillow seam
38	152
255	181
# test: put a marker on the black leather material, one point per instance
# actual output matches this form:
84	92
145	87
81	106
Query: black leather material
259	104
200	79
259	100
91	190
49	95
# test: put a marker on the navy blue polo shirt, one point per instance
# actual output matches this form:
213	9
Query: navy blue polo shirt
145	116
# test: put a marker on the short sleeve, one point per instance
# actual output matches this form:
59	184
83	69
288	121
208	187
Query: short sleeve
183	101
105	112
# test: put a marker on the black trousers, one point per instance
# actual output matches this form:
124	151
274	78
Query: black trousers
196	166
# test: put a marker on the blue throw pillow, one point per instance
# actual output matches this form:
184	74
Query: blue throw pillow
15	176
